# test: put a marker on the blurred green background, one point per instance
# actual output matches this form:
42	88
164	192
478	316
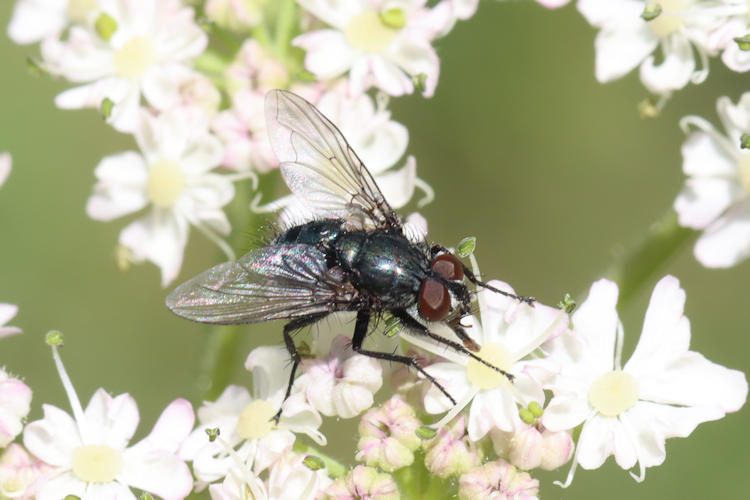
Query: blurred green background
552	171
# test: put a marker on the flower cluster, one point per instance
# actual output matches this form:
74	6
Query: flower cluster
194	106
686	34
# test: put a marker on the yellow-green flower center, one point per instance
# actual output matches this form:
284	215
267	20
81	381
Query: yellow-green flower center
484	377
671	18
255	420
613	393
166	181
96	463
134	58
744	171
366	31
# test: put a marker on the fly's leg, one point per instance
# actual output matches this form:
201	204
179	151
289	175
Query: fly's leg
417	327
360	330
436	249
468	342
290	327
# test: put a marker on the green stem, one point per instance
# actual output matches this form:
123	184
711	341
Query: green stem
335	468
285	22
664	239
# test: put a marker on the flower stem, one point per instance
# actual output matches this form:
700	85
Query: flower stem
222	354
664	239
286	15
335	468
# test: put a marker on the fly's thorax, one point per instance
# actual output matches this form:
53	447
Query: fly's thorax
387	266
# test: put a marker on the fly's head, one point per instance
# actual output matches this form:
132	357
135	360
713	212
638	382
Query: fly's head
444	283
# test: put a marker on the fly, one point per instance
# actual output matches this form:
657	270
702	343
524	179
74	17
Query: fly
353	256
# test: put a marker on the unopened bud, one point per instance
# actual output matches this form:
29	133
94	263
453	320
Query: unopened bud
313	463
743	42
394	18
651	11
527	449
105	26
54	337
558	448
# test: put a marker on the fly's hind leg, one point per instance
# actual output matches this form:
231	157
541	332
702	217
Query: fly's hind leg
360	331
290	327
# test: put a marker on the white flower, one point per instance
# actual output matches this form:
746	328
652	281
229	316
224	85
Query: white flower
381	43
343	383
7	312
6	162
716	197
248	436
15	401
626	41
35	20
150	39
90	455
663	391
18	470
510	330
172	177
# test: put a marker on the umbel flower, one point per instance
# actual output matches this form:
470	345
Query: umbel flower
134	49
380	43
716	196
171	176
89	454
663	391
509	331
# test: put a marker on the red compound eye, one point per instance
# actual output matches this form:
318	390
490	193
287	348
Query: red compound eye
447	266
434	300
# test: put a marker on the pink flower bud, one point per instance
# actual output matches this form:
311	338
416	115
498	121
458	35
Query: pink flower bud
527	448
15	401
557	449
388	435
363	482
498	480
450	452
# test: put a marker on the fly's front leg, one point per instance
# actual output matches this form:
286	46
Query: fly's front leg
290	327
417	327
360	331
436	249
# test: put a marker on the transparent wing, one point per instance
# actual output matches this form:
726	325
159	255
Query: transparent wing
274	282
319	165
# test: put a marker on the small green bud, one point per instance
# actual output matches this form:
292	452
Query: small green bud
419	81
466	246
213	433
71	497
743	42
105	108
648	108
567	304
313	463
54	337
536	409
393	18
651	11
105	26
526	416
745	141
426	432
392	327
35	67
145	496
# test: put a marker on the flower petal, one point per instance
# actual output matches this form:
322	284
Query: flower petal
53	438
727	241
